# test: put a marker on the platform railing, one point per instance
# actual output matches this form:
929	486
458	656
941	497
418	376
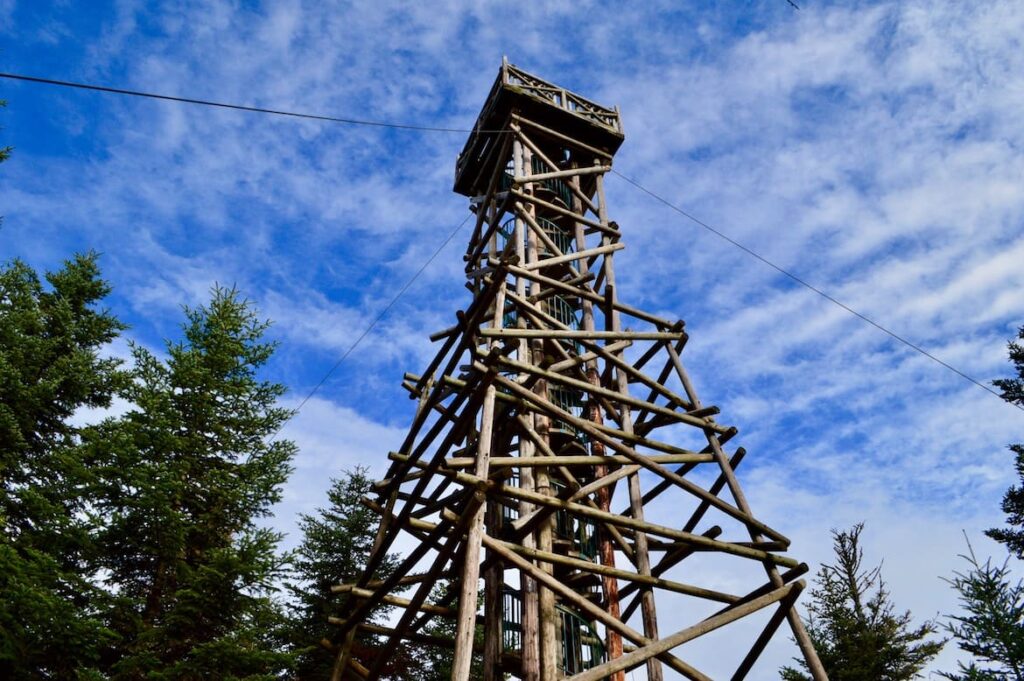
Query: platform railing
561	97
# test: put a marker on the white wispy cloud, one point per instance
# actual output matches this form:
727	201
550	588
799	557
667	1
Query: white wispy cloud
332	438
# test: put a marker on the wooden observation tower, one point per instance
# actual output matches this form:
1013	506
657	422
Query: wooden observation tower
545	456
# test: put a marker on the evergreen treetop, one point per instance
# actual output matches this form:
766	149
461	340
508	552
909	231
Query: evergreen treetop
853	624
335	549
187	473
991	627
51	367
1013	501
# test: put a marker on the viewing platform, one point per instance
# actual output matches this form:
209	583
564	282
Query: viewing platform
517	92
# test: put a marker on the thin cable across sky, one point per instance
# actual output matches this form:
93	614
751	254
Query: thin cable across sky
224	105
426	128
376	320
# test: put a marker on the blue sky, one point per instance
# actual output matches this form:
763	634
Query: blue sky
872	148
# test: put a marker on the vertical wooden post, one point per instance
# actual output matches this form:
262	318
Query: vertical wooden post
494	577
528	585
549	648
469	588
606	548
344	657
636	503
547	633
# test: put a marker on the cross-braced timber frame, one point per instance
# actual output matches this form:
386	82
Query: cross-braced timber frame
546	399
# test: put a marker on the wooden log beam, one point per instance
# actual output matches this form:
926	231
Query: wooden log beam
711	533
653	395
675	557
544	320
636	375
578	334
716	488
474	398
641	526
386	533
584	605
387	585
783	579
536	517
526	428
406	603
343	661
585	293
465	631
403	581
588	356
444	333
641	655
538	232
565	212
389	482
583	198
803	639
575	460
663	485
575	255
640	459
631	523
777	618
586	386
558	174
519	121
598	569
466	320
461	523
492	186
436	504
371	628
452	416
463	386
493	224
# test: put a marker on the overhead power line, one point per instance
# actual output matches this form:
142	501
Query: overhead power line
426	128
811	287
236	107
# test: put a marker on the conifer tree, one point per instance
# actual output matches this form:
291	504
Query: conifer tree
336	546
853	626
50	368
1013	501
188	473
991	627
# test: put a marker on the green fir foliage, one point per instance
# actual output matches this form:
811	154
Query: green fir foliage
50	368
132	549
335	549
1013	501
853	625
991	627
185	476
